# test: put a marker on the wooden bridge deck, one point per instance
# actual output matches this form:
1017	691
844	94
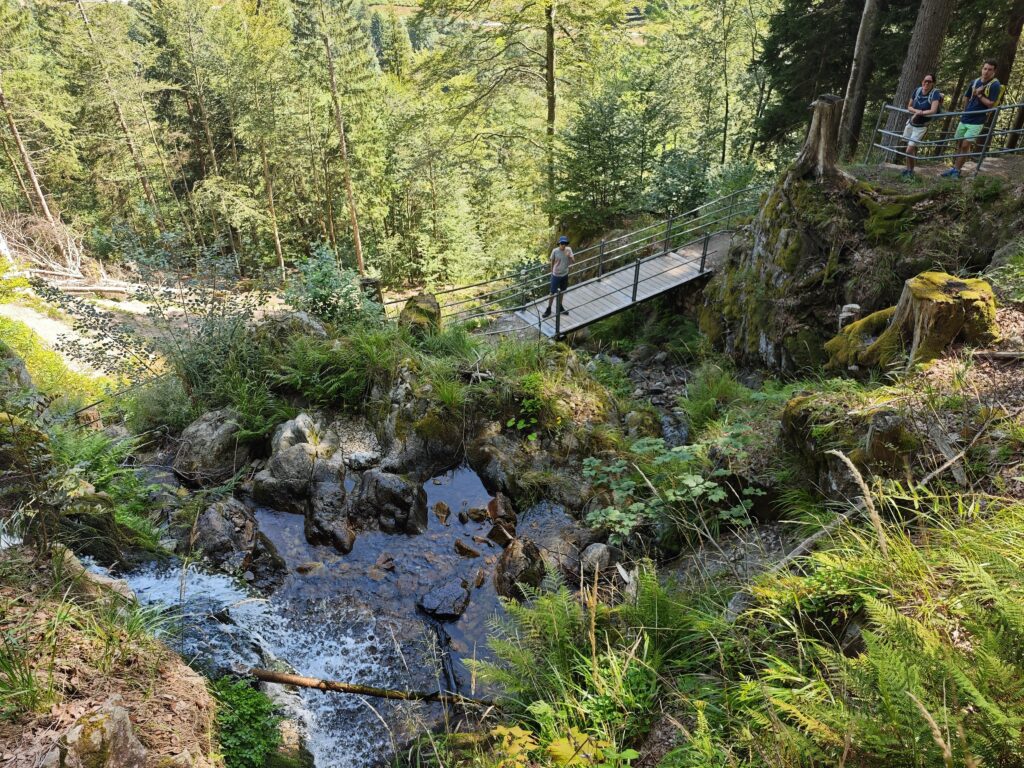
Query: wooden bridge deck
599	297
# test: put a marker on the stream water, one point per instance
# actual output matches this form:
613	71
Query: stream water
346	617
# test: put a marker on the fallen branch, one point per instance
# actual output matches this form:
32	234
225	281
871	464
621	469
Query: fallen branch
335	686
992	354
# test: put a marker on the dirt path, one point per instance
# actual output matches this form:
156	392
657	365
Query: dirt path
51	332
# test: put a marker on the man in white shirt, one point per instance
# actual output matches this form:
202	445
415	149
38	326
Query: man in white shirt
561	258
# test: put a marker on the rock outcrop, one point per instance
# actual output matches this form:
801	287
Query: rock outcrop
103	739
210	450
816	245
228	536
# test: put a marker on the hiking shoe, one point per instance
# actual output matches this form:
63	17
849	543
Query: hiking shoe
952	173
907	175
565	311
547	312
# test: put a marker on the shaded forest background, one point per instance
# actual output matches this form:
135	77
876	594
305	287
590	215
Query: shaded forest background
166	131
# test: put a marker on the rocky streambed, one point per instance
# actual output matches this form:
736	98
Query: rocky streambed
330	566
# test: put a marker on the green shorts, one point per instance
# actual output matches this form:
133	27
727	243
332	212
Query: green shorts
968	131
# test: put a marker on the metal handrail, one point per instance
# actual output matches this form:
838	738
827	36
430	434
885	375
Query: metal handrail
986	144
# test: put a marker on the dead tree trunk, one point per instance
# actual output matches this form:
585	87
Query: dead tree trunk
1006	54
21	179
819	156
26	159
857	87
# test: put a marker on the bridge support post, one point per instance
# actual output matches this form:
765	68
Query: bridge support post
668	235
600	260
636	279
704	252
558	315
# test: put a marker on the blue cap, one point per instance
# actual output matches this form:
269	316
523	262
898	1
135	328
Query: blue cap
563	240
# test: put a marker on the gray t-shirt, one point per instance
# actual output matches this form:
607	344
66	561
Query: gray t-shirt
560	261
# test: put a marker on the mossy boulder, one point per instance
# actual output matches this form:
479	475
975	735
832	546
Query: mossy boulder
421	314
934	311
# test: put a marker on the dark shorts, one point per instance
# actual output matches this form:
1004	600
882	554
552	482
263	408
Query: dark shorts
559	283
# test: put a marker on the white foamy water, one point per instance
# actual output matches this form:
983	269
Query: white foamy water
220	625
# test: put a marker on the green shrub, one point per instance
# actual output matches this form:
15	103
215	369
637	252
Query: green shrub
330	292
161	405
246	723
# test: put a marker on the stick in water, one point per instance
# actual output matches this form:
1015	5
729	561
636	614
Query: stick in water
336	686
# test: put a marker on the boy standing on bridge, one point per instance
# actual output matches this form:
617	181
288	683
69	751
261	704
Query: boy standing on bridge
560	259
982	95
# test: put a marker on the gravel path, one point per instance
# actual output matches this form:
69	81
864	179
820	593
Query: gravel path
52	332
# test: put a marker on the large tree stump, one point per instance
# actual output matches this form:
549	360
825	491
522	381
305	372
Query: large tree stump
421	314
820	152
934	310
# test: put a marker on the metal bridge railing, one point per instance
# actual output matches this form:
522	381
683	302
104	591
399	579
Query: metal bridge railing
518	289
1000	136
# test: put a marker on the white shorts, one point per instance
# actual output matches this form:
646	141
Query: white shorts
914	134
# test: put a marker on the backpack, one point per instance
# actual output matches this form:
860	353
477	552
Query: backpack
925	120
988	90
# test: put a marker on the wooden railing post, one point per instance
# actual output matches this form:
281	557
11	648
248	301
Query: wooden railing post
704	252
636	279
668	235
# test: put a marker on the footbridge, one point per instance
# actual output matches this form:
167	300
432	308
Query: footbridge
610	276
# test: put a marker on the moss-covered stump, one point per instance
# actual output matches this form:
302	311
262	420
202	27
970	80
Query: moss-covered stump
421	314
934	311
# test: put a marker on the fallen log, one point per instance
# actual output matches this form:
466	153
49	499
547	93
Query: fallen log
335	686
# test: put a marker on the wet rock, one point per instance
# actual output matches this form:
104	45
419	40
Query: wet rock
104	739
226	534
447	601
476	514
492	456
595	558
327	518
500	510
463	549
559	535
520	564
502	534
307	568
442	512
391	502
210	451
386	561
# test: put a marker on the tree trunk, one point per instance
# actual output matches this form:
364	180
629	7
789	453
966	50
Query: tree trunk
269	184
820	152
922	55
1018	125
346	170
549	89
26	159
1006	54
857	87
21	179
140	169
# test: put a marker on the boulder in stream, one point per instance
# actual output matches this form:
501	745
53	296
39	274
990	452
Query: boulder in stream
389	502
227	535
447	601
520	564
210	450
